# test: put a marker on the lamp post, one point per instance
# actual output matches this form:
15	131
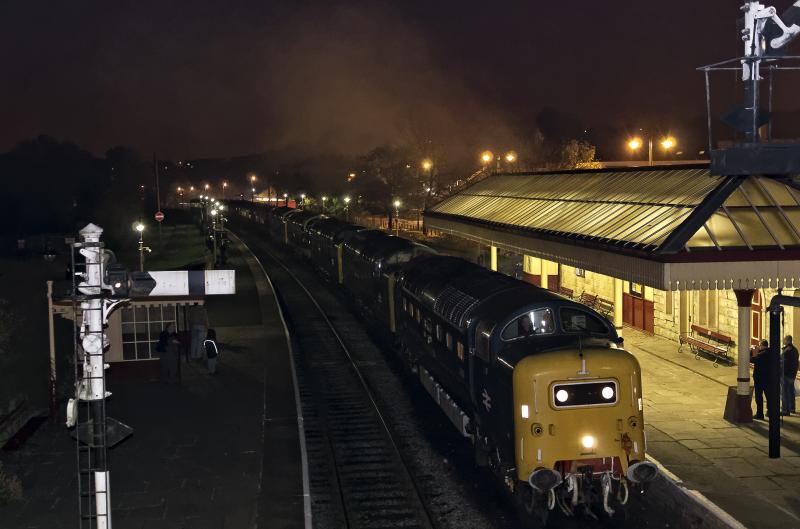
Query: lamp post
214	213
224	186
347	208
140	228
635	143
253	188
302	199
324	199
397	216
286	199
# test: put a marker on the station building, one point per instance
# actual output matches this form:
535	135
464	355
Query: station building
668	250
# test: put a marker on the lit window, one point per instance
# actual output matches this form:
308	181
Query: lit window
460	351
438	332
141	328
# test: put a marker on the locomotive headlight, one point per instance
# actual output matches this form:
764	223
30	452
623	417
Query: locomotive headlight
588	442
608	392
562	395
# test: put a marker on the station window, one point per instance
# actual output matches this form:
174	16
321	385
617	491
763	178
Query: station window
141	327
448	340
460	351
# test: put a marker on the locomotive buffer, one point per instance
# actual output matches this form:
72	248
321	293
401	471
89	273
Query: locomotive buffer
98	290
765	35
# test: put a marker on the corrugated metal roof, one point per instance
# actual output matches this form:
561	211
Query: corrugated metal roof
636	208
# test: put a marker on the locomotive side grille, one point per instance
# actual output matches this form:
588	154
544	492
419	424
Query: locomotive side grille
452	305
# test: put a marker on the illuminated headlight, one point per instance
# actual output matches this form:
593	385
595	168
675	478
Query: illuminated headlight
608	392
588	442
562	395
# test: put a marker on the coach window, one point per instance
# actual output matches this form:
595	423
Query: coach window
460	351
448	340
438	332
405	304
419	316
483	333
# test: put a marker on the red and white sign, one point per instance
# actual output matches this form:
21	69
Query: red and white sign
159	216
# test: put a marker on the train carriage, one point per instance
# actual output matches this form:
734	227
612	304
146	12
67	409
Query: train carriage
325	236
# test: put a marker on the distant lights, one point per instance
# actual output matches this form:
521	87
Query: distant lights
487	156
139	227
588	442
634	144
511	156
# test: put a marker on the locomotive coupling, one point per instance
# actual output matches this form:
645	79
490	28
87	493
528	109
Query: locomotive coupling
642	472
544	479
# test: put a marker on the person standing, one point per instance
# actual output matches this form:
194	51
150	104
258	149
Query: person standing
790	364
212	351
167	348
759	359
198	322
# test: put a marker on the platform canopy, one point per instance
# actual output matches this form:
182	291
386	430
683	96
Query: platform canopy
668	228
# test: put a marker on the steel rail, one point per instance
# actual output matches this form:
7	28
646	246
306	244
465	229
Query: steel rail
421	507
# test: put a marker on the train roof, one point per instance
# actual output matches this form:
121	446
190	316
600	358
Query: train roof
458	290
377	245
301	216
331	227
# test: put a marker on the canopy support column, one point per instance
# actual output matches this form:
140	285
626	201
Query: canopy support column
493	258
738	408
618	305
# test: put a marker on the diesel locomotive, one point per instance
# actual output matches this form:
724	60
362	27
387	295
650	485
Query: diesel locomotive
539	384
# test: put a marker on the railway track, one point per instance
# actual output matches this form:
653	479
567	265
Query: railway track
358	476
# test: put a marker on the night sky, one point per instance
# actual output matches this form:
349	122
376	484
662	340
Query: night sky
213	79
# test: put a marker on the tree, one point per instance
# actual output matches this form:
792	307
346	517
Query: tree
577	154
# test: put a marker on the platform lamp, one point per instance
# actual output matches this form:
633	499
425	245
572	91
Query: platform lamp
324	199
397	204
139	227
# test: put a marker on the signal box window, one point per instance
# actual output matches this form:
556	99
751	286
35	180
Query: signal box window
574	320
532	323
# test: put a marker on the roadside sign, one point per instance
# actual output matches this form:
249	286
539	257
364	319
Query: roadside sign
159	216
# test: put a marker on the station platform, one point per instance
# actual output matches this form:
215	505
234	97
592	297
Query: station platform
217	451
727	463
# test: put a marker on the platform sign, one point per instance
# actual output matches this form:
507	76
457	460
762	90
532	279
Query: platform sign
159	216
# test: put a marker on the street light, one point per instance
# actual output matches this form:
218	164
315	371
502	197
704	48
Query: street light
207	187
224	185
286	199
427	164
302	199
511	157
397	216
487	157
635	143
140	228
253	187
324	199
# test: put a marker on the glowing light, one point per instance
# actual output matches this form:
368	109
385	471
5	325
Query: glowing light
139	227
588	442
285	195
396	203
562	395
487	156
324	198
524	411
253	178
634	144
511	156
207	187
213	212
303	196
668	143
427	164
608	393
346	200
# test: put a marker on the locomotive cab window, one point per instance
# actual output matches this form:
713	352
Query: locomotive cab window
531	323
575	320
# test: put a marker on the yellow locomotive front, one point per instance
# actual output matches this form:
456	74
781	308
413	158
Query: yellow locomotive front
579	428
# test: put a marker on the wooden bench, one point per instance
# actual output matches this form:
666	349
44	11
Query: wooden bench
588	299
604	306
702	340
566	292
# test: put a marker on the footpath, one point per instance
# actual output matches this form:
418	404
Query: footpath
217	451
727	463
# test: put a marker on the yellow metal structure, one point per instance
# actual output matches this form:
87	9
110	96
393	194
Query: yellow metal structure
549	434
